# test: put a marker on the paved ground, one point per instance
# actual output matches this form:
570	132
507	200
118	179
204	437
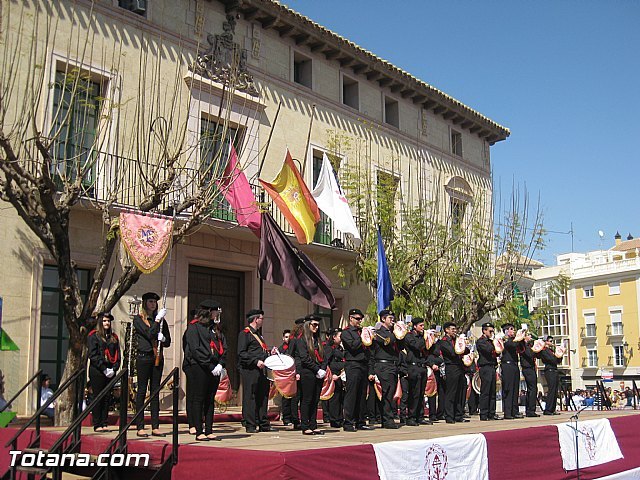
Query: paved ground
233	435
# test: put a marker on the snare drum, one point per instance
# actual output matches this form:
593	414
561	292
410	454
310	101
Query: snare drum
277	362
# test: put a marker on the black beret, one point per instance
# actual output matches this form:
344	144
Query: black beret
150	296
386	313
312	316
355	311
299	321
105	314
254	312
448	324
546	338
417	320
487	325
210	304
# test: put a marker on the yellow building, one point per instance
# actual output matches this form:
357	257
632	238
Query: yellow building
600	320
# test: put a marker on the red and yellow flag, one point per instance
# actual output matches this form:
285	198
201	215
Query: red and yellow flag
294	200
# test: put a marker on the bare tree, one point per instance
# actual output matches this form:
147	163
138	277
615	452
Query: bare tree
94	117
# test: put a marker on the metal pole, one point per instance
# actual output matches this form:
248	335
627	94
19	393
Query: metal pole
304	161
266	147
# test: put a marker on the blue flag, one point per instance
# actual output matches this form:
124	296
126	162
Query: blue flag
385	289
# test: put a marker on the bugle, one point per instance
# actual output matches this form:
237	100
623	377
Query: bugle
367	336
498	343
400	330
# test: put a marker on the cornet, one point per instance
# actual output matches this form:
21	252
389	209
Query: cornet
498	343
461	344
560	350
538	346
367	336
429	338
520	334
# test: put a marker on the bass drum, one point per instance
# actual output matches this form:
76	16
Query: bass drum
431	388
476	381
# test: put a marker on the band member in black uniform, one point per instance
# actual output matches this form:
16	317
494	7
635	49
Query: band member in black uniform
312	372
296	333
488	363
104	362
285	406
436	402
416	359
551	362
356	369
152	334
204	359
510	373
528	364
334	357
386	355
252	352
456	383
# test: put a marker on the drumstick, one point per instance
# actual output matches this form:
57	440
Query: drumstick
279	357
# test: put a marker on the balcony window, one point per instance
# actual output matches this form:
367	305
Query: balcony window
590	325
302	70
587	292
616	322
77	98
391	112
456	143
618	356
592	358
135	6
350	92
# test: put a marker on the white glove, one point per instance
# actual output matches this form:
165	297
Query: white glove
217	370
161	314
321	373
224	374
109	372
161	337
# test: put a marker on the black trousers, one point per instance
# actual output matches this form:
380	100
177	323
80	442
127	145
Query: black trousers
355	396
100	413
255	397
510	389
442	395
336	402
388	375
456	385
403	405
189	393
417	383
531	379
474	400
290	408
204	388
149	377
487	391
309	399
552	390
374	405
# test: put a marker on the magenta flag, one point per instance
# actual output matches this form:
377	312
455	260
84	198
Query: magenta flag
238	193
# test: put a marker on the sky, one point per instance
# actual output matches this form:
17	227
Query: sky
562	75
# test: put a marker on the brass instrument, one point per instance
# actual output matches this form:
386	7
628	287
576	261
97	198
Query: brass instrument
520	334
560	351
367	336
400	330
538	346
430	337
460	344
498	342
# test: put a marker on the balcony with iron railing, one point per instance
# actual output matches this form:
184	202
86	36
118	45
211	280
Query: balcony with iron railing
619	362
113	176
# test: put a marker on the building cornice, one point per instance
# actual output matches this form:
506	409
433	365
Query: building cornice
272	15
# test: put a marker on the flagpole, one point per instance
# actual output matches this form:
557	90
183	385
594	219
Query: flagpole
306	148
266	147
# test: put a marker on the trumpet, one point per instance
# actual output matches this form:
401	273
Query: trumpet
560	351
400	330
429	338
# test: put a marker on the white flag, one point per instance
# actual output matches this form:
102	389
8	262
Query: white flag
331	200
463	457
597	444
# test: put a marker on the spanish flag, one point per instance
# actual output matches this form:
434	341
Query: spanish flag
294	200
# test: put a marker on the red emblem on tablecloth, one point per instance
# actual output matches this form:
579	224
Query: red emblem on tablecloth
436	463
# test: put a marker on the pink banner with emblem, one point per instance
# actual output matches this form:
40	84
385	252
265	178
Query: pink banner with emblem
147	239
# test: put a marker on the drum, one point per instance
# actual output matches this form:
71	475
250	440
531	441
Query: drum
277	362
476	381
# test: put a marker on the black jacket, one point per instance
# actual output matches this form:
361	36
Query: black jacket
549	358
147	336
527	356
334	358
416	349
197	347
510	352
386	346
250	350
102	354
486	352
305	360
448	352
354	350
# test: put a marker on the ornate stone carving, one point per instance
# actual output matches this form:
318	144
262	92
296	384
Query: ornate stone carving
225	61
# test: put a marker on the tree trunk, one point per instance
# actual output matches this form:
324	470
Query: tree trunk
65	403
